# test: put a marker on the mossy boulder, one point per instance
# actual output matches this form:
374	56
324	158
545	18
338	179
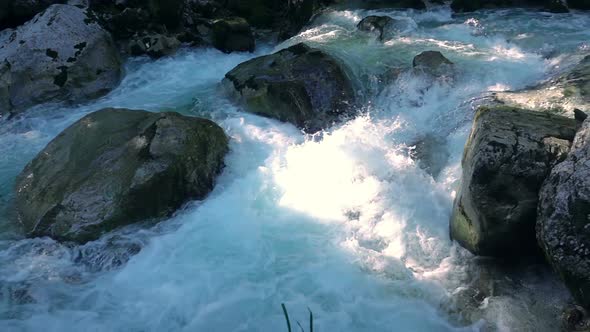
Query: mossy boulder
60	55
233	35
115	167
300	85
509	154
563	221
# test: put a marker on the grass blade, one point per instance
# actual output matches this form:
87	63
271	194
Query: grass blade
286	317
301	327
310	320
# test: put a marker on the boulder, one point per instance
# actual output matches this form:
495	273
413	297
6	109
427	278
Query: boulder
563	220
115	167
16	12
433	63
61	55
233	35
563	93
154	45
300	85
509	153
375	23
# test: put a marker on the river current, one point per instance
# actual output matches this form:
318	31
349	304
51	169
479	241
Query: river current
351	223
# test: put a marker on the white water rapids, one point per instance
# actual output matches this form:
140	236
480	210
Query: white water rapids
345	223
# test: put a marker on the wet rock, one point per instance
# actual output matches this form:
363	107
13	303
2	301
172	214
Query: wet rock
375	23
433	63
563	221
16	12
155	45
61	55
509	154
560	94
233	35
431	153
300	85
116	167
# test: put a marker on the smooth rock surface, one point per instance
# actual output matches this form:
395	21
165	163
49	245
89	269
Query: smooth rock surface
115	167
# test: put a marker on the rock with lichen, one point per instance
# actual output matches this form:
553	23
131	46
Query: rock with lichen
62	54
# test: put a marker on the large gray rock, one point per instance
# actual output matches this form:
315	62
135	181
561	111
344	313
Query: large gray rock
300	85
115	167
509	154
61	55
563	221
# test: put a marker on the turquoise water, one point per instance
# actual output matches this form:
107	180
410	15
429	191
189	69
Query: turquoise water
345	222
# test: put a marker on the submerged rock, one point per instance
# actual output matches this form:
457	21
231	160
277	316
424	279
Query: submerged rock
563	221
509	154
563	93
431	153
233	35
375	23
433	63
61	55
300	85
115	167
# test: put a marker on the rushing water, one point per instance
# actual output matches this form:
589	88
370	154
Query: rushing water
346	222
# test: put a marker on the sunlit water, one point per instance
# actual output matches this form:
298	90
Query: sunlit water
346	223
